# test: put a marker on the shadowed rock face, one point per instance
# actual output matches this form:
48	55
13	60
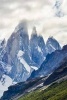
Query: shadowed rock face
32	54
53	61
19	40
24	87
52	45
37	48
60	72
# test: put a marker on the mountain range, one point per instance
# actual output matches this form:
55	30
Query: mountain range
51	62
23	58
23	55
19	90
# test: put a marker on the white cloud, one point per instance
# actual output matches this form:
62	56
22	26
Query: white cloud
39	13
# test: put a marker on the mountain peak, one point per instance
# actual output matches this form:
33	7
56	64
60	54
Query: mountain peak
34	33
52	45
22	26
2	43
34	30
65	47
51	39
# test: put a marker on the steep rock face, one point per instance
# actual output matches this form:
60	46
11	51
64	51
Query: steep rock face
52	62
2	52
19	40
2	48
60	72
37	48
52	45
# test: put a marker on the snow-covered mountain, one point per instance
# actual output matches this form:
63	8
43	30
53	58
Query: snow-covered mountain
52	62
23	88
19	57
52	45
37	48
22	55
18	41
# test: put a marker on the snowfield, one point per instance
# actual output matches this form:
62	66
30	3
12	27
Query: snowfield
5	82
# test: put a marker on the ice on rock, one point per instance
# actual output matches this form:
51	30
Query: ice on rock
34	67
5	82
19	55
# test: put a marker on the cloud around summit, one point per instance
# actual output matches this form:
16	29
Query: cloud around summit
39	13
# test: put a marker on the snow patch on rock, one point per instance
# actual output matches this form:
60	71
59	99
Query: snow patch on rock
34	67
20	58
5	82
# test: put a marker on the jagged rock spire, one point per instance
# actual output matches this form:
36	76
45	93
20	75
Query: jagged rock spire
34	30
22	26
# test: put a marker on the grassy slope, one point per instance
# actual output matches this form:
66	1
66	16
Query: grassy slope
57	91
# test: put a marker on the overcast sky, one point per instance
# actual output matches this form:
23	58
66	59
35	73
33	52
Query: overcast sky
49	17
